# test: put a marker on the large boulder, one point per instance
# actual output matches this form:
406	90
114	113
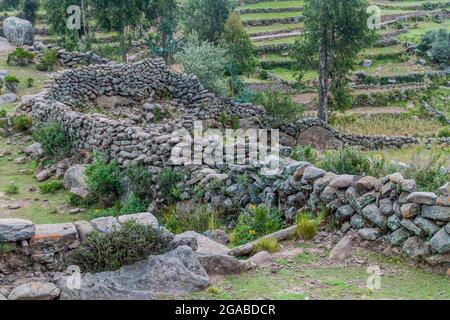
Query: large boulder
74	177
12	230
35	150
174	273
35	291
436	213
213	256
145	218
342	249
19	32
415	248
441	242
319	138
7	98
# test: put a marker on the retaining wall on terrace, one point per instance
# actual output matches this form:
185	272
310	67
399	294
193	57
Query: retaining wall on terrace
387	210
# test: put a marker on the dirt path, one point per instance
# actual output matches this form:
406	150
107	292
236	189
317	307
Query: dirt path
367	111
276	36
307	98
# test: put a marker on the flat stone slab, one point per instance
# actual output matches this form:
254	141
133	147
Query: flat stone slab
106	224
12	230
8	98
174	273
436	213
35	291
144	218
428	198
56	235
213	256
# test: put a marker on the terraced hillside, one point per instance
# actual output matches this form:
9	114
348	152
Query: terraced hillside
274	25
393	75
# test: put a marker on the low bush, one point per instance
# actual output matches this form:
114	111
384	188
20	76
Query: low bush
48	60
427	172
436	43
444	132
51	187
11	189
256	223
22	123
3	113
55	142
11	83
168	182
132	205
199	220
306	226
346	161
20	57
30	83
110	251
104	180
279	105
304	153
139	181
270	245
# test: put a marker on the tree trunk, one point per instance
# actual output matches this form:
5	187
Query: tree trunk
123	46
323	80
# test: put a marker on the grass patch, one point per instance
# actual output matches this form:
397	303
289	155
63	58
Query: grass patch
270	245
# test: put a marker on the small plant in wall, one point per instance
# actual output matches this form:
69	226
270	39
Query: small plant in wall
11	83
48	60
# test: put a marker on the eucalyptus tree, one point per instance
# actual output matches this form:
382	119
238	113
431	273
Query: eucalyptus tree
335	31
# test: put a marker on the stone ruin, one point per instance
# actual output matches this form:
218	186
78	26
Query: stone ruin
132	112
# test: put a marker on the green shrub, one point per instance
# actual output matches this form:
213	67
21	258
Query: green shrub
11	83
104	180
11	189
304	153
30	83
22	122
427	171
263	75
48	60
199	220
54	140
437	43
223	119
139	181
3	113
20	57
132	205
270	245
207	62
444	132
256	223
307	226
235	122
110	251
51	187
279	105
168	182
346	161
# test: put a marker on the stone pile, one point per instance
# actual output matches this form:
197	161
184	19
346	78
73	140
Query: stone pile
67	59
